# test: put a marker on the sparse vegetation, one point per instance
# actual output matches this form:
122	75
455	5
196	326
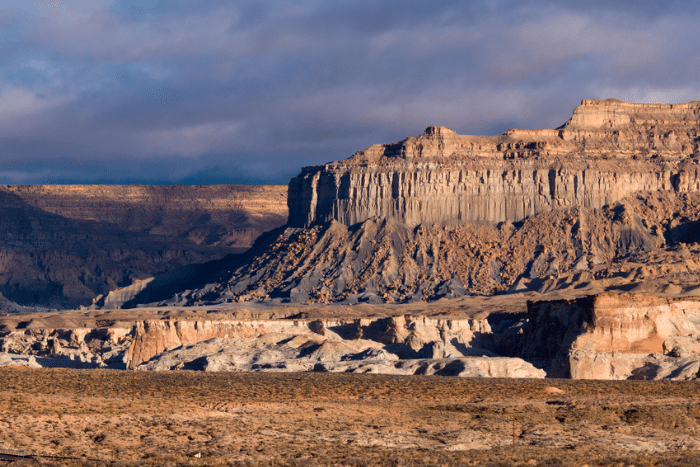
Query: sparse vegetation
242	419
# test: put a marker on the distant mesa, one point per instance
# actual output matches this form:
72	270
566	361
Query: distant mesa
61	246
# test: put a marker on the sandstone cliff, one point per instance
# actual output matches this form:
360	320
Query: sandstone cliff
395	345
602	336
607	151
616	336
644	243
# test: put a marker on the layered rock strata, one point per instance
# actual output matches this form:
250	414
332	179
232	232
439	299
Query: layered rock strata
616	336
396	345
608	150
648	243
602	336
216	215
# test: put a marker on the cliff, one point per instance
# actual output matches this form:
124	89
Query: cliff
644	243
616	336
608	150
608	201
601	336
395	345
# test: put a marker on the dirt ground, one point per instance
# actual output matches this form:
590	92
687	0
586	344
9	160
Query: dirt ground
107	417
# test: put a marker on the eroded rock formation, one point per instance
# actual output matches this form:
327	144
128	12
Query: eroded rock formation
616	336
607	151
395	345
606	199
602	336
647	243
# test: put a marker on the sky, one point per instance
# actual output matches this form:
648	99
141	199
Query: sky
248	92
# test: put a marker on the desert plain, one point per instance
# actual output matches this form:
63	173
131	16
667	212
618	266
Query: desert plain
119	418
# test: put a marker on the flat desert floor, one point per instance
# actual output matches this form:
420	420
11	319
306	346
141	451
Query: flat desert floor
107	417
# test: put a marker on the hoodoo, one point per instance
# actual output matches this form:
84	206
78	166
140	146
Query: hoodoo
608	150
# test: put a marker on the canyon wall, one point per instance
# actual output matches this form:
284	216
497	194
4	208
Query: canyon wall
215	215
607	151
616	336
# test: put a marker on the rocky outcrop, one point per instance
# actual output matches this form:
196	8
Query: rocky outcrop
601	336
608	201
72	347
327	355
395	345
12	360
608	150
403	336
616	336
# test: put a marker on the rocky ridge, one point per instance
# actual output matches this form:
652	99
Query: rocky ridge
396	345
616	336
215	215
601	207
602	336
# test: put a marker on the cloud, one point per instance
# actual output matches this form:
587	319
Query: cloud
215	90
192	140
18	104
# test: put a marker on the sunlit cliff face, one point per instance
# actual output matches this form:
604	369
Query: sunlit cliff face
606	151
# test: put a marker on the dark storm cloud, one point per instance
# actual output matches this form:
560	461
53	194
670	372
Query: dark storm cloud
207	92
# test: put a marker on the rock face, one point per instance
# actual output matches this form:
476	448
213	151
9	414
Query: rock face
70	347
607	151
645	243
602	336
609	201
616	336
394	345
404	336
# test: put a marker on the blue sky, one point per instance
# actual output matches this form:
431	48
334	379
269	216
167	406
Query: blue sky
98	91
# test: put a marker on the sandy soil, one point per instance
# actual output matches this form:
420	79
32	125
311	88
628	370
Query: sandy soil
117	418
